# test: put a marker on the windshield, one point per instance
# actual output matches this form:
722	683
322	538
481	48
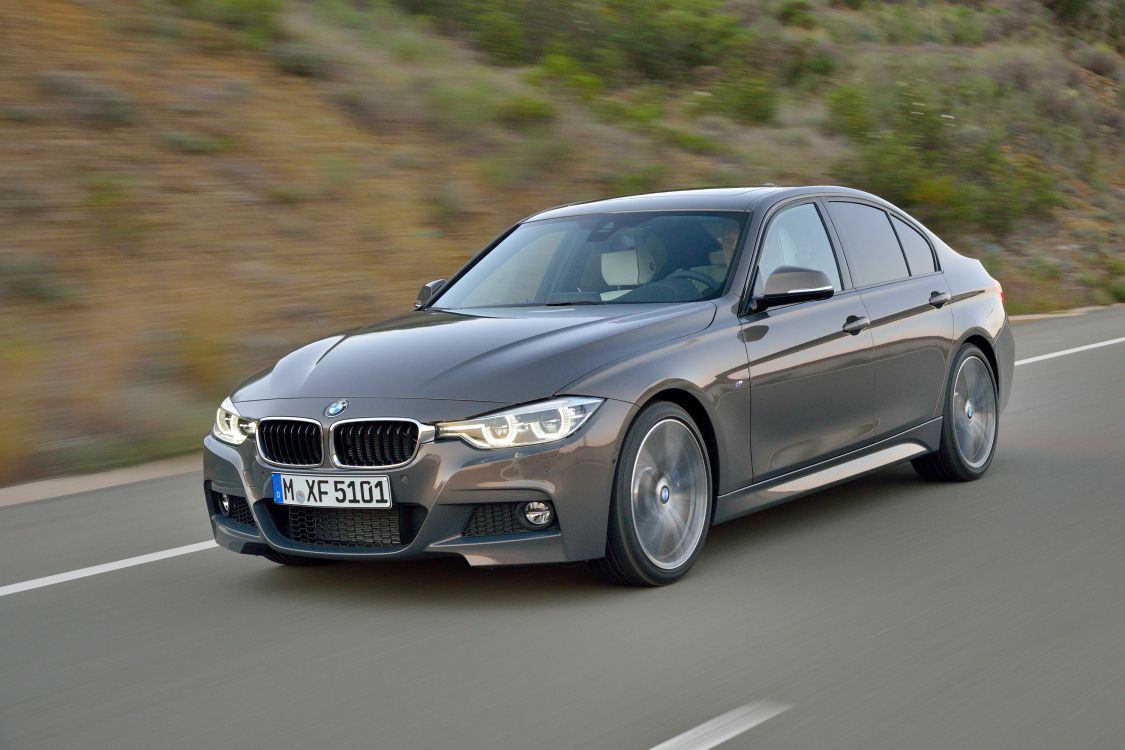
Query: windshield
602	259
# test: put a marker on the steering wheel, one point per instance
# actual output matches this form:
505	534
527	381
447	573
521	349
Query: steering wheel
710	286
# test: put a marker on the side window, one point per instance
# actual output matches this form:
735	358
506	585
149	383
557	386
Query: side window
796	237
870	245
918	254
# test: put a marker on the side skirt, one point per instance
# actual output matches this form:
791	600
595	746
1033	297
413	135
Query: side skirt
925	438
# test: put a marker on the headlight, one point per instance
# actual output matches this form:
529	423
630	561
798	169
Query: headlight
231	427
533	424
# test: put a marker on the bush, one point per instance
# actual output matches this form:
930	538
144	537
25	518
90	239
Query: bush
462	107
747	99
499	33
913	151
524	110
624	39
1100	59
301	59
258	20
562	70
850	111
635	178
88	99
796	13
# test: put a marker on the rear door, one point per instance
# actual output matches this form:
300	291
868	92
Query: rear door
907	300
811	381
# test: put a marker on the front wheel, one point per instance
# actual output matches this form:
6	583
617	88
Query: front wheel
971	421
662	500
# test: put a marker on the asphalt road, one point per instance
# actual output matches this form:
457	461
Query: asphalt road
886	613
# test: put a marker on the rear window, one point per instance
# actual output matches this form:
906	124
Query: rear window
918	254
870	245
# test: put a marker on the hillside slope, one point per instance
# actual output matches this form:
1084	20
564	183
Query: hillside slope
188	189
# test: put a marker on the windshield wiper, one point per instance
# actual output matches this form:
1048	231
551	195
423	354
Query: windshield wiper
559	303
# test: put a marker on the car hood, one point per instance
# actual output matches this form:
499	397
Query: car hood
498	355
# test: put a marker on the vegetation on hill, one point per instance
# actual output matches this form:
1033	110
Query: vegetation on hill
189	188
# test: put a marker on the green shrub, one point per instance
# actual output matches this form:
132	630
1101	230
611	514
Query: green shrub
638	177
748	99
258	20
560	69
498	32
524	110
806	63
302	59
796	13
622	39
691	142
1116	289
461	107
850	111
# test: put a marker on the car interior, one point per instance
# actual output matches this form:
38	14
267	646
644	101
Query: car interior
663	260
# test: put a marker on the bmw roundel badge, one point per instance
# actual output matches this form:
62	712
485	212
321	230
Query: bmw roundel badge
336	408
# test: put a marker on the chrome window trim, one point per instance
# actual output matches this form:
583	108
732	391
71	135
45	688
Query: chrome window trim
426	434
262	455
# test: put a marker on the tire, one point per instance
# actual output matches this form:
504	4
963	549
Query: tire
970	422
297	561
663	482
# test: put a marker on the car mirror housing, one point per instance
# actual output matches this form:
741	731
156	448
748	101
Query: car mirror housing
789	284
427	292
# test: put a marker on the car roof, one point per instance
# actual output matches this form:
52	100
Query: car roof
707	199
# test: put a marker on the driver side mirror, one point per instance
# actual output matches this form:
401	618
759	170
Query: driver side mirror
427	292
789	284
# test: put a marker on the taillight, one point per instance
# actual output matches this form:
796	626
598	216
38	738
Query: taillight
999	290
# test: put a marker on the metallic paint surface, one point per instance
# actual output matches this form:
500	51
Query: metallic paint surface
778	393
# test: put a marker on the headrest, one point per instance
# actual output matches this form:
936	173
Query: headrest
630	267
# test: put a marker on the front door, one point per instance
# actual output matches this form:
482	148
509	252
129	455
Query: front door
811	382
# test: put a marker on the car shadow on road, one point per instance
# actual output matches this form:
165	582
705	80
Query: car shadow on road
450	582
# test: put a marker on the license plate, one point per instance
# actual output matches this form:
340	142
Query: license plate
332	491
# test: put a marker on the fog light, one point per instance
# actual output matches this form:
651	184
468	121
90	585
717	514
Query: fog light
224	504
537	514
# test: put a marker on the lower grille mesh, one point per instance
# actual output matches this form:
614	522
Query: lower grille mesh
493	519
240	511
333	527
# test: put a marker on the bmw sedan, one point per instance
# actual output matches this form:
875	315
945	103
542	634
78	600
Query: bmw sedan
606	380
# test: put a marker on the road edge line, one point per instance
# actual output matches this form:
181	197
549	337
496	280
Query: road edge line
1065	352
93	570
726	726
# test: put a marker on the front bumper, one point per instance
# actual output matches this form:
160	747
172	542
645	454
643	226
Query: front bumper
437	492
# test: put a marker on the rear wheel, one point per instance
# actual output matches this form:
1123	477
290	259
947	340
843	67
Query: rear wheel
971	421
661	507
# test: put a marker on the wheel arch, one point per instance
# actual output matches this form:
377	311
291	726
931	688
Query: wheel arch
690	403
982	342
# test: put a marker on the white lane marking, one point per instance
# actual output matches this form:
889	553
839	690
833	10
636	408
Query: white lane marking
1065	352
722	728
38	583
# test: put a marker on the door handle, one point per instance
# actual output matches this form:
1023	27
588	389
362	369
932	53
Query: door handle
938	299
856	323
